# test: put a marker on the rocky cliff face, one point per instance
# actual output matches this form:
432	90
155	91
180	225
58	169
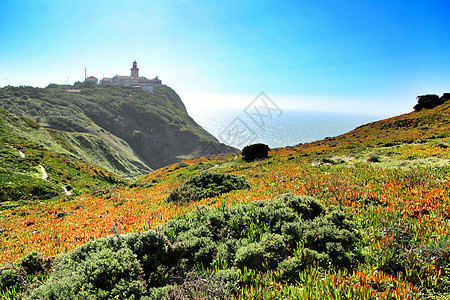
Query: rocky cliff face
149	130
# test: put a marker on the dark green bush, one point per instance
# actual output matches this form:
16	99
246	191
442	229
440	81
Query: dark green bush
152	251
374	158
332	236
262	255
33	263
214	184
445	96
307	207
105	274
207	185
262	234
428	101
250	256
184	193
195	250
12	276
255	151
181	165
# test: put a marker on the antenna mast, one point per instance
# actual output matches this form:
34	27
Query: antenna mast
85	77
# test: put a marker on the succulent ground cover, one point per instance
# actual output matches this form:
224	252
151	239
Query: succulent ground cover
389	180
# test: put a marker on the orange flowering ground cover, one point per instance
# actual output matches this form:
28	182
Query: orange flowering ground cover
391	184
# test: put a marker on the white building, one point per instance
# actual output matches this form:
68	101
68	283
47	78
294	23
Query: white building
133	80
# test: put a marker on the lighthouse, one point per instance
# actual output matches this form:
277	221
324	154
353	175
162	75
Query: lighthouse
134	70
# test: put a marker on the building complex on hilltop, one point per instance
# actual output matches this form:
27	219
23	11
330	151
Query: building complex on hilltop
133	80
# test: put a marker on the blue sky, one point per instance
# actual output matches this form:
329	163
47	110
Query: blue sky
371	56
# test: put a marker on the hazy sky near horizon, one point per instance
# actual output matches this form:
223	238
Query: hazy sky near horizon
371	56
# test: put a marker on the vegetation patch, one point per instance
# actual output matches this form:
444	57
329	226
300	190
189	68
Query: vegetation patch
430	101
20	176
289	233
207	185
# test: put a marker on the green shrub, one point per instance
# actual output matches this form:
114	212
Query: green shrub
214	184
308	207
333	236
207	185
150	248
184	193
33	263
250	256
195	250
12	277
429	101
262	234
227	275
374	158
105	274
265	254
255	151
152	251
291	268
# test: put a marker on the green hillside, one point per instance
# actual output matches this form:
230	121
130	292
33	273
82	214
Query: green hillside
125	131
24	147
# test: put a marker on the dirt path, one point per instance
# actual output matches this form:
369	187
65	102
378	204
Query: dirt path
68	193
215	166
44	173
45	177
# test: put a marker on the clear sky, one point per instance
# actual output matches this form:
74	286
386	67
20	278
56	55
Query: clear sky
355	55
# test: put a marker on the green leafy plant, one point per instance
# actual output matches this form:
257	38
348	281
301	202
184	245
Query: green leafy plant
207	185
105	274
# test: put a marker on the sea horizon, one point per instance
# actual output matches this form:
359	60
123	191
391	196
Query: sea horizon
236	128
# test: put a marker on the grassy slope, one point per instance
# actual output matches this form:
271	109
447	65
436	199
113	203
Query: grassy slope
21	177
392	176
125	131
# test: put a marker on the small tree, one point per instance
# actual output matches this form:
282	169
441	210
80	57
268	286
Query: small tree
428	101
255	151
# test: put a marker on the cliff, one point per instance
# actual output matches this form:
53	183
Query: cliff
126	131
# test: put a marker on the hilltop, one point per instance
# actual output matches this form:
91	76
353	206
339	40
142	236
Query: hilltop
125	131
363	215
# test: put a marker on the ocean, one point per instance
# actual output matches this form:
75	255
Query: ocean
278	128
